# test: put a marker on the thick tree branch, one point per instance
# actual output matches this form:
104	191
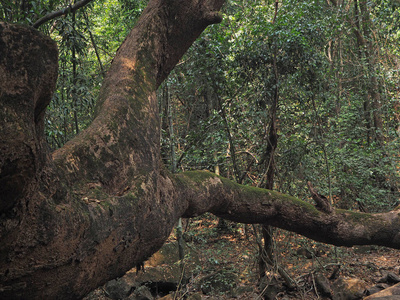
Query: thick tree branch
61	12
101	204
207	192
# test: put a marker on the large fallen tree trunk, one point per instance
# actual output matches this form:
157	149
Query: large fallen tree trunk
95	208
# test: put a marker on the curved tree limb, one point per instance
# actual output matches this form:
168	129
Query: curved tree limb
99	205
61	12
207	192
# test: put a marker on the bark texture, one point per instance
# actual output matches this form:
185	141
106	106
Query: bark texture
102	204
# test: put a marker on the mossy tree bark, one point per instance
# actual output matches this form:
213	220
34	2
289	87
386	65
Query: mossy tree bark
90	211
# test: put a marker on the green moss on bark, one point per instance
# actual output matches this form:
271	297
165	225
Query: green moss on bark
356	216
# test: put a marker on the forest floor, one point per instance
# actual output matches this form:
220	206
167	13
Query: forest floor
235	250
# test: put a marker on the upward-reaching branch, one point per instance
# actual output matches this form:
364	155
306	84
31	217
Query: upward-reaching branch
100	205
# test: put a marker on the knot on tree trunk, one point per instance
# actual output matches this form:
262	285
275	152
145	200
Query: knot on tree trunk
321	202
212	17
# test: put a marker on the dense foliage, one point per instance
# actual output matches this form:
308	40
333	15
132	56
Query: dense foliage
330	67
336	76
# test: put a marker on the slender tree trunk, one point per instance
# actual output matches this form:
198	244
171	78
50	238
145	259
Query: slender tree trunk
367	49
171	131
74	93
374	89
266	257
232	148
94	44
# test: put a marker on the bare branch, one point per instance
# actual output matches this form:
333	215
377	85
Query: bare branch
61	12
